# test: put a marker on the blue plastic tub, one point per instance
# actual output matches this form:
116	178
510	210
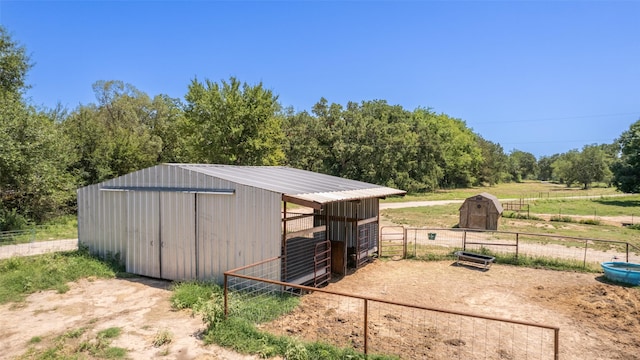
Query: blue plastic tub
622	271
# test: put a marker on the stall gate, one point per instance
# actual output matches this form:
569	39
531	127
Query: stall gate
393	241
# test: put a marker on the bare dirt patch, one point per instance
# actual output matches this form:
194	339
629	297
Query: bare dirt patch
596	320
139	307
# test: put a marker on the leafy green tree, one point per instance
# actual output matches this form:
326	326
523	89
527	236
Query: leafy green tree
301	143
522	165
589	165
592	166
385	144
626	171
545	169
233	123
460	157
33	153
14	65
494	163
370	141
379	143
564	168
124	132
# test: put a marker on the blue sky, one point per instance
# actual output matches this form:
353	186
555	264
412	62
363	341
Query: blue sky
539	76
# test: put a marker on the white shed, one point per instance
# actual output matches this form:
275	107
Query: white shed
192	221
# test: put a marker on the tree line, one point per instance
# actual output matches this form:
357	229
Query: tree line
46	154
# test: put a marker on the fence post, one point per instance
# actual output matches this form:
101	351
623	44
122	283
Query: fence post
627	252
415	243
404	243
584	261
464	240
366	326
226	301
517	245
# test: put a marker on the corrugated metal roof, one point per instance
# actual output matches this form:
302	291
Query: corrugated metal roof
301	184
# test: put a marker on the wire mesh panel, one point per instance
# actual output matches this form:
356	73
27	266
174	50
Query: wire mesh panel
416	333
427	243
375	326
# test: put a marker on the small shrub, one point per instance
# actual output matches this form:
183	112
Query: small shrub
520	216
35	340
110	333
634	227
11	220
162	338
187	295
566	219
62	288
296	351
590	222
74	334
212	312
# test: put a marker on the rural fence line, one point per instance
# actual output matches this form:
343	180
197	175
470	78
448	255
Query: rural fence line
31	242
378	326
425	242
36	233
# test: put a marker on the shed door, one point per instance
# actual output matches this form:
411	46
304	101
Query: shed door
178	236
477	212
143	233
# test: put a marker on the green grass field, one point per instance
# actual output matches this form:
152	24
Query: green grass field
527	189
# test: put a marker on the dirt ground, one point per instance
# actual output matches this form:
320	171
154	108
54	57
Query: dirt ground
139	306
596	320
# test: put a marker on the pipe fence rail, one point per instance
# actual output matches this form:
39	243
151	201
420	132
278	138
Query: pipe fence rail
586	252
378	326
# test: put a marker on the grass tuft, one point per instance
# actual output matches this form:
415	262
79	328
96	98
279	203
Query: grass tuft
162	338
566	219
110	333
186	295
520	216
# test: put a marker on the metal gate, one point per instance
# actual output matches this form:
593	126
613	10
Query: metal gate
322	263
362	252
393	241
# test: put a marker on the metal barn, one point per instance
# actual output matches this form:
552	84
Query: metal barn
192	221
481	211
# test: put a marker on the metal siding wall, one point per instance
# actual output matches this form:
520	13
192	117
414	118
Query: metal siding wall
230	231
236	230
369	208
335	229
143	233
114	220
339	231
177	233
87	199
